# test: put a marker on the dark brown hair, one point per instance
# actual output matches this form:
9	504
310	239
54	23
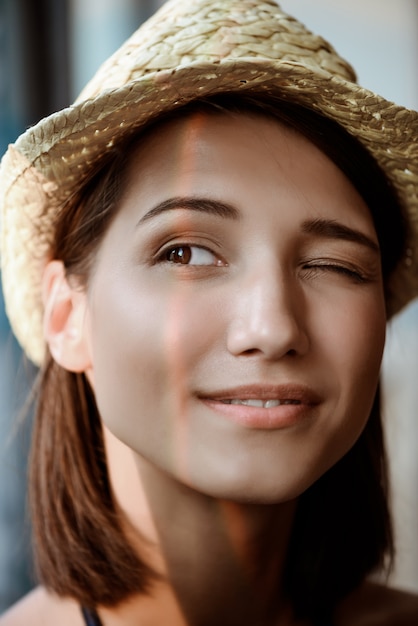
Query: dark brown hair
342	528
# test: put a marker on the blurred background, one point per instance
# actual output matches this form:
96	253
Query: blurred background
48	51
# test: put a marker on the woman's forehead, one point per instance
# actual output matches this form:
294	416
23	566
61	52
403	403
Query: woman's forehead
237	158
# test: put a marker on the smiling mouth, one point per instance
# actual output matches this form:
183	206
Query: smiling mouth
260	404
265	407
263	396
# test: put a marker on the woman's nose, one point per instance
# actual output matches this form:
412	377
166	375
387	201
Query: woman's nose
268	318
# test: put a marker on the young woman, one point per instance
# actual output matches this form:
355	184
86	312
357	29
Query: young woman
202	254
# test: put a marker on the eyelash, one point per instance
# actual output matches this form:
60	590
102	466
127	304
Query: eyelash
351	273
163	256
313	268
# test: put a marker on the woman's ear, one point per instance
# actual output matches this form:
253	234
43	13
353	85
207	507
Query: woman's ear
65	328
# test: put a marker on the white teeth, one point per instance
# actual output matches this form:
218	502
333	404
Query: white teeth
266	404
269	403
250	402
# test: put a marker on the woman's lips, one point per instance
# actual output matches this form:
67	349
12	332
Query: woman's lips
264	407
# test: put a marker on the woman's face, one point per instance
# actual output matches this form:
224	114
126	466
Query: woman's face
235	316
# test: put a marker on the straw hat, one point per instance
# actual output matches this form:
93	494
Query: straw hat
189	49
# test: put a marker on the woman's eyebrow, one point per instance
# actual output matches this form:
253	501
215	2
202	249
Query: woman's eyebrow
193	203
332	229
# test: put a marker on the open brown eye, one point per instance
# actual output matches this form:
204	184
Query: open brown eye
181	254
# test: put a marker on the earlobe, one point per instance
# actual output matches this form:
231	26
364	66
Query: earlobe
65	319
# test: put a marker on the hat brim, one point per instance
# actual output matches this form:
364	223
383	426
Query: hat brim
51	160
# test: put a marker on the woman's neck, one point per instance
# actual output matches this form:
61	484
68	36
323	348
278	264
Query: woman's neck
221	562
224	560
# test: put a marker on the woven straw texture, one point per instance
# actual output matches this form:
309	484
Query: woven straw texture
189	49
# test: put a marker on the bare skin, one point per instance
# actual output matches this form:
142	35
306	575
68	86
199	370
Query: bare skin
234	581
371	605
217	505
247	545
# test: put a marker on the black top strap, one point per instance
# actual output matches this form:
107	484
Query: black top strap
90	617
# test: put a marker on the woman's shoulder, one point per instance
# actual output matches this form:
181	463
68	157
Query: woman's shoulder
370	605
41	608
378	605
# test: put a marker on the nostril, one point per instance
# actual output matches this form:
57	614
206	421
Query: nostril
251	351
